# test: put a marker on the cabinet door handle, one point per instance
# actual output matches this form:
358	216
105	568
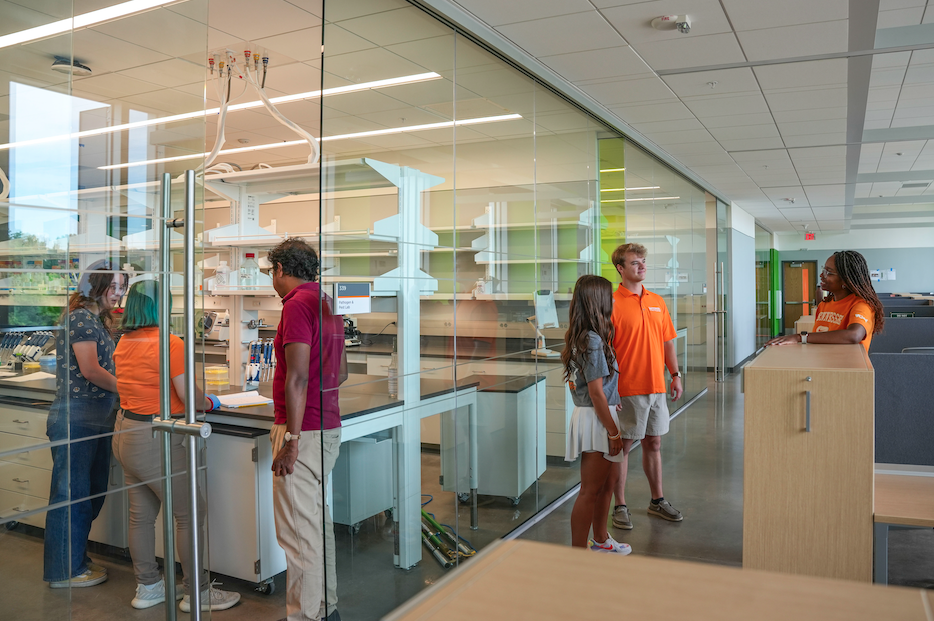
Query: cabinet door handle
20	422
807	411
19	480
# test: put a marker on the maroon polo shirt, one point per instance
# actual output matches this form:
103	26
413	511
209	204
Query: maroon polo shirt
305	319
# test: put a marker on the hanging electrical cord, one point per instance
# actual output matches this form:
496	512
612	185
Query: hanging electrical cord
6	185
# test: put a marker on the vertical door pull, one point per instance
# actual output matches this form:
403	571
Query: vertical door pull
807	408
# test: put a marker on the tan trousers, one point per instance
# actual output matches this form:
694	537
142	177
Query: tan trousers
140	454
303	524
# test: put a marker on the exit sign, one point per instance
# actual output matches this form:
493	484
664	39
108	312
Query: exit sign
809	237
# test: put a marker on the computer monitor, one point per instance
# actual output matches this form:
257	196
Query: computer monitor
546	314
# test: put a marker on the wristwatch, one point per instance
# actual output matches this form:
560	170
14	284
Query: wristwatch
289	436
804	338
678	374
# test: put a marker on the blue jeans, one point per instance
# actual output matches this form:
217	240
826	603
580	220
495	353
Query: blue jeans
80	469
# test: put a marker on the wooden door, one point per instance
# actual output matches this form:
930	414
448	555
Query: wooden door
807	506
799	280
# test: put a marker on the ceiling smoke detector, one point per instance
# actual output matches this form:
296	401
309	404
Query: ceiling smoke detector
681	23
71	67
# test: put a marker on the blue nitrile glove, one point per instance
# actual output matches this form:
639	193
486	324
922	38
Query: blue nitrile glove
215	402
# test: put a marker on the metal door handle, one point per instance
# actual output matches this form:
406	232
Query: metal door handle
19	480
807	411
20	422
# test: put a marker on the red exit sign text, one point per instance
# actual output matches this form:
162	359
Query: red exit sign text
809	237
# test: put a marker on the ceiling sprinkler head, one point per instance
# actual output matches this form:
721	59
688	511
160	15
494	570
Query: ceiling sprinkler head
790	200
243	140
712	84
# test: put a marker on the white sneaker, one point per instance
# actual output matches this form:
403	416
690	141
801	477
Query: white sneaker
611	546
212	599
153	594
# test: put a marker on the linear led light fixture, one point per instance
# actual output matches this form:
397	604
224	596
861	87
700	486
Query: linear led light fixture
337	90
648	187
651	198
612	169
292	143
83	21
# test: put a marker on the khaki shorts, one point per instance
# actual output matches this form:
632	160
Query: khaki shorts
643	415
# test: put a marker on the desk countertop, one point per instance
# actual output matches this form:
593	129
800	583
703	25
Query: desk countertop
532	580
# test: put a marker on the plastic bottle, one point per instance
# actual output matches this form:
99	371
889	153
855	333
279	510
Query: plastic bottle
222	274
249	271
394	371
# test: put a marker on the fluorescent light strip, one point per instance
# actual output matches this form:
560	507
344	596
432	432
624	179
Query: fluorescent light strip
292	143
612	169
82	21
338	90
652	198
648	187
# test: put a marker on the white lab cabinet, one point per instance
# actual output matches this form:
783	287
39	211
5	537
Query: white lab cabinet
510	439
241	526
361	481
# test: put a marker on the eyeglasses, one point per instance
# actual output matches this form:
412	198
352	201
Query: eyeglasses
824	272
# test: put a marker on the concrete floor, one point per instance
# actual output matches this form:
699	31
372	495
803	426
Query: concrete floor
702	456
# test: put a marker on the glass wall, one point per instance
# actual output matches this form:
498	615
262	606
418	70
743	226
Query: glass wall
452	200
763	288
88	120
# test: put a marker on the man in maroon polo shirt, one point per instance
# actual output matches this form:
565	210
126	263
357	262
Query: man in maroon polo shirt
306	436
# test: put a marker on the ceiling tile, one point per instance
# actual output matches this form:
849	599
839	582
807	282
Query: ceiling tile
765	130
737	120
230	17
562	35
756	14
801	75
900	17
791	41
597	64
815	140
717	105
634	21
823	195
630	91
806	99
704	83
653	113
691	51
497	13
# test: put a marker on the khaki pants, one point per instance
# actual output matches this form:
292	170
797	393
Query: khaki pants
303	524
139	451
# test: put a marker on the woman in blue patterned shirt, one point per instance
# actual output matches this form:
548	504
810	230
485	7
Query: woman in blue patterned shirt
83	408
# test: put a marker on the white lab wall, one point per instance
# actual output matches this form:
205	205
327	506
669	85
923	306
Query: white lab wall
742	296
920	237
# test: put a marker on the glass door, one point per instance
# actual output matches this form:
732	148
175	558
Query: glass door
93	117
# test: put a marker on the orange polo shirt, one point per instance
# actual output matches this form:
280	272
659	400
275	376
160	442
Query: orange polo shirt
832	315
137	362
643	326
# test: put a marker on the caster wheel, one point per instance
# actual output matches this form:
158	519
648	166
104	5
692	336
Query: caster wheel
353	529
11	525
388	513
515	501
267	588
464	498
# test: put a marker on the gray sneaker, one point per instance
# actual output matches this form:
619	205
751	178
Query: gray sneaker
665	511
621	518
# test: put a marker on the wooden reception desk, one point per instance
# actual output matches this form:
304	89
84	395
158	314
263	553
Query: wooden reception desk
808	461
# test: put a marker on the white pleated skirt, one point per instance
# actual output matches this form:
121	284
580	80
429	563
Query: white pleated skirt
587	433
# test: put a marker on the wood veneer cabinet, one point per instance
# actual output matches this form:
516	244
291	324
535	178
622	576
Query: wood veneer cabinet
808	470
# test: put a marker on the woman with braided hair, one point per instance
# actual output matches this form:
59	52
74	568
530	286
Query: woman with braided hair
851	313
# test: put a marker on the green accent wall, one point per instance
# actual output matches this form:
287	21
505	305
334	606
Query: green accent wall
775	267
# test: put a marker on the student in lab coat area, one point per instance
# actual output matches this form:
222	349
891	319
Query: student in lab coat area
306	436
139	451
82	413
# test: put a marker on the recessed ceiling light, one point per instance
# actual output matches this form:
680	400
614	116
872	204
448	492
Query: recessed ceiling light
83	21
632	200
291	143
648	187
612	170
70	67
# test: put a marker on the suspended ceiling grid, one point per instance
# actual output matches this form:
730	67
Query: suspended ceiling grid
772	103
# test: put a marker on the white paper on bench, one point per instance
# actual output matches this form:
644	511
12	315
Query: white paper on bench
38	375
241	399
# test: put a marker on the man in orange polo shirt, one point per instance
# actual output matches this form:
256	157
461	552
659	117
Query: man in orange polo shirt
644	341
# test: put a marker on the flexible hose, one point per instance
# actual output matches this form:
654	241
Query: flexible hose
312	141
6	185
219	139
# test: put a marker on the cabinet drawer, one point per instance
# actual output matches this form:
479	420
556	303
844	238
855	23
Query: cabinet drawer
18	477
39	458
14	504
23	421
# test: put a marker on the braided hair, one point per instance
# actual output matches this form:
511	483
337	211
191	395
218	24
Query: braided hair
852	269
